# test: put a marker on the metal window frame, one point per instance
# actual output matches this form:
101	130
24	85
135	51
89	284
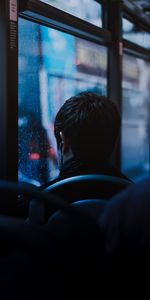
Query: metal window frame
50	16
8	93
112	20
8	101
136	50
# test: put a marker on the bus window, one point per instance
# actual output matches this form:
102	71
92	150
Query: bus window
135	34
53	66
86	9
135	117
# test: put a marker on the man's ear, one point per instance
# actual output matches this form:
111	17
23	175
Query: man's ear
65	143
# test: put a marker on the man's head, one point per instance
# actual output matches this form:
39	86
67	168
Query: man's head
88	125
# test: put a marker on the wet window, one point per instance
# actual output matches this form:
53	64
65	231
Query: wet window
53	66
135	113
135	34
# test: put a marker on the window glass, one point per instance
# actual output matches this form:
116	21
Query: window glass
135	34
135	112
53	66
88	10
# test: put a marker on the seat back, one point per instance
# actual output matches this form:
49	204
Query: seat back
82	241
88	187
91	207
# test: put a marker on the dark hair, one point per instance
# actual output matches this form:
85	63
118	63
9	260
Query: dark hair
91	123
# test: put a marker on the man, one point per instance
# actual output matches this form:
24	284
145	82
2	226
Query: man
86	128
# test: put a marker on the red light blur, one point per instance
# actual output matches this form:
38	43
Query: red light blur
34	156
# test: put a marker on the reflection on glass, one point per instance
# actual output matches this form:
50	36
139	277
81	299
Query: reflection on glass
88	10
134	34
55	67
135	112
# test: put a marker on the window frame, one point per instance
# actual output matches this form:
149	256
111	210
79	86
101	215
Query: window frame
50	16
137	18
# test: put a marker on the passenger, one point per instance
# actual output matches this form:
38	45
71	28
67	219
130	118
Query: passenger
86	129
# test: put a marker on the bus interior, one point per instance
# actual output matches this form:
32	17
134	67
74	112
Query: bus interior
54	242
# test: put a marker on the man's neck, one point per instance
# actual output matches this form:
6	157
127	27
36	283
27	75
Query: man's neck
66	157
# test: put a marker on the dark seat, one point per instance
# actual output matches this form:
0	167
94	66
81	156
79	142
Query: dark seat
91	207
88	187
79	231
125	224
